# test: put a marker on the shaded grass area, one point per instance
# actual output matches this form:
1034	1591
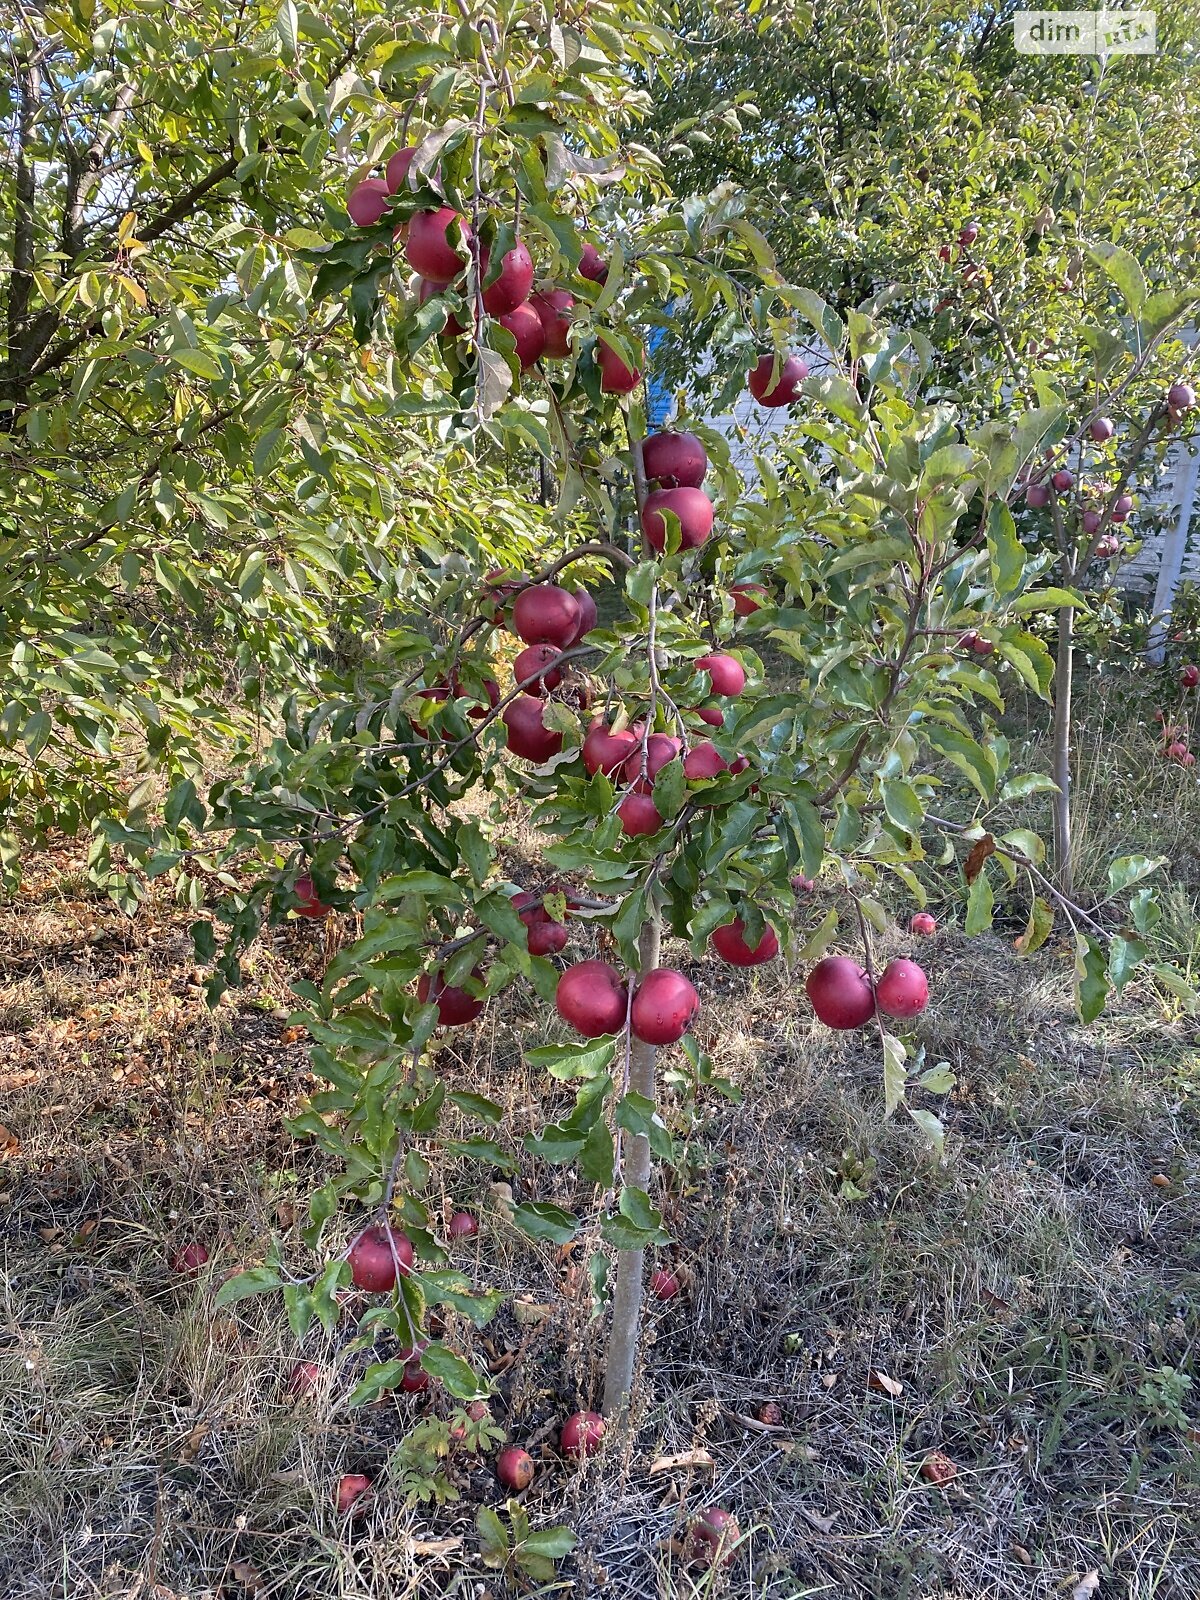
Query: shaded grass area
1033	1302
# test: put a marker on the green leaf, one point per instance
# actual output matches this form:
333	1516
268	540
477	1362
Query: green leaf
902	805
477	1105
932	1129
1005	550
1128	870
256	1280
597	1156
1091	977
199	362
1124	270
939	1079
895	1072
980	902
1039	927
636	1224
1123	956
554	1543
458	1376
545	1222
379	1378
971	759
1145	910
566	1061
473	848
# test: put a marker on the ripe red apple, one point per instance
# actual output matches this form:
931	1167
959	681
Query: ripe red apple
785	390
455	1006
453	327
982	646
938	1469
902	989
674	460
512	287
840	992
414	1379
664	1007
968	234
615	376
604	751
639	815
1122	506
308	903
1177	751
664	1285
642	767
692	507
703	760
1037	495
713	715
1063	480
711	1538
1100	429
462	1225
923	923
591	997
545	614
527	735
745	598
1108	546
396	171
770	1413
803	885
352	1493
492	691
554	307
592	264
477	1411
588	616
1181	397
547	937
428	249
1091	521
377	1256
726	673
730	944
526	328
740	765
367	202
189	1258
581	1435
514	1468
535	668
304	1377
1190	676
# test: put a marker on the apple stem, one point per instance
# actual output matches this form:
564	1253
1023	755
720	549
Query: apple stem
627	1290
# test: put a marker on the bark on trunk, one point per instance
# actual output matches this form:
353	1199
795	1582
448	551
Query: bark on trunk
1061	763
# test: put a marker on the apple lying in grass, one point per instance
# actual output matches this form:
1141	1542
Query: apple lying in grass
189	1258
514	1468
378	1257
352	1494
462	1225
581	1435
712	1538
923	924
664	1285
304	1377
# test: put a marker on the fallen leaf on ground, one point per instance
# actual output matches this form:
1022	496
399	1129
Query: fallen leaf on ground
938	1469
9	1143
685	1458
880	1382
1087	1585
433	1548
248	1575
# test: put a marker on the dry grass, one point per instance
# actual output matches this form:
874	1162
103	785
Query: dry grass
1033	1295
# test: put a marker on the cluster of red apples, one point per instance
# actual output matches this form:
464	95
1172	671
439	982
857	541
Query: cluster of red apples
1173	744
843	995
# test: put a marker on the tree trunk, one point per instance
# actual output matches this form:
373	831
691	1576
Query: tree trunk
627	1290
1061	762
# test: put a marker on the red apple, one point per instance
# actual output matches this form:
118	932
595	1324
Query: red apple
527	735
1190	677
554	307
545	614
664	1285
304	1377
367	202
526	328
414	1379
592	264
938	1469
712	715
785	389
189	1258
968	235
514	1468
664	1007
923	924
535	669
745	598
512	287
730	944
1100	429
428	249
840	992
547	938
592	998
902	989
1122	506
615	376
1091	521
462	1225
726	673
492	691
588	616
1063	480
308	903
1037	495
1177	751
477	1411
674	460
643	767
581	1435
455	1006
803	885
352	1493
639	815
604	751
703	760
1108	546
396	171
453	327
1181	397
692	507
712	1538
982	646
377	1256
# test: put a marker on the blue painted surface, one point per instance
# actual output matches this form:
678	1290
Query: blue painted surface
658	396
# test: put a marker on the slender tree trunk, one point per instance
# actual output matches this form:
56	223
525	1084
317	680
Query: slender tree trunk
627	1290
1061	761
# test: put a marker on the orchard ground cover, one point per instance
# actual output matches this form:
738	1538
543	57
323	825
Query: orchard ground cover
1027	1309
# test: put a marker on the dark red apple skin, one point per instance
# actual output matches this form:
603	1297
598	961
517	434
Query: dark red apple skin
785	391
592	264
537	662
592	999
581	1435
367	202
304	1377
713	715
1063	480
352	1493
902	989
545	614
712	1538
1190	677
604	751
642	768
514	1468
615	376
455	1006
189	1258
512	287
1037	495
429	252
526	328
1100	430
639	815
528	735
378	1256
664	1007
462	1225
554	307
840	992
396	172
1181	397
692	507
730	944
414	1379
674	460
547	938
589	616
664	1285
703	760
726	673
745	598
